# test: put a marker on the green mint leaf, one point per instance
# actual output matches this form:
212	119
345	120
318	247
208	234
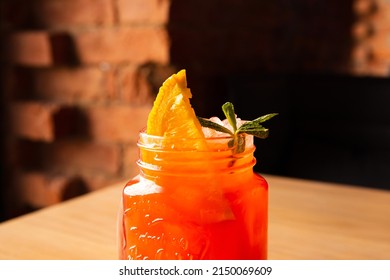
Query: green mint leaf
213	125
264	118
231	143
238	143
240	148
251	127
255	128
261	133
228	110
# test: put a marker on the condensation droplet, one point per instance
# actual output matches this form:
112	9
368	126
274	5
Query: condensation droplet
157	220
159	254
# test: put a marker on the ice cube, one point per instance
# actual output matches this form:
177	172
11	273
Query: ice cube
209	132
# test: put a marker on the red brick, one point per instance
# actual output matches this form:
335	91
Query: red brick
30	48
362	30
79	157
73	84
127	44
380	20
65	13
380	46
380	4
40	190
116	123
39	121
360	55
34	120
379	68
372	67
144	11
364	7
99	181
134	87
130	157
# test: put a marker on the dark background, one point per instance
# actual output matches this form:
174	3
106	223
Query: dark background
330	128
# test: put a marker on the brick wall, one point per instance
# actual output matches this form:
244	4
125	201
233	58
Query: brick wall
80	77
371	52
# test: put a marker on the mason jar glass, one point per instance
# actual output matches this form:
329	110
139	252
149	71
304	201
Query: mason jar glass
193	204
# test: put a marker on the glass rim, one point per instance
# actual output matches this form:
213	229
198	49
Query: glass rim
226	136
150	136
213	144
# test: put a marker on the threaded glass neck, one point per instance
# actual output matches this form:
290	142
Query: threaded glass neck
191	156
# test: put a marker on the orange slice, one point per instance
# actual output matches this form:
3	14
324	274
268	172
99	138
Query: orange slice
172	115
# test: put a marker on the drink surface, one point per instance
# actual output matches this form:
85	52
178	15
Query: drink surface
157	223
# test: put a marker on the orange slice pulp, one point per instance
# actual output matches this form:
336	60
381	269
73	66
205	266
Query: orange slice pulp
172	115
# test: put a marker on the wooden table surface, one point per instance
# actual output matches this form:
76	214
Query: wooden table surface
307	220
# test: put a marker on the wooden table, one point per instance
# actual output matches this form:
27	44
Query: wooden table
307	220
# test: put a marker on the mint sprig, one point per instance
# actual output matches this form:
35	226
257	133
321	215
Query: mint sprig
254	127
